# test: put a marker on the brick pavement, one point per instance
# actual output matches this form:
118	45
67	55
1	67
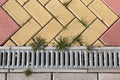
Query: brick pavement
46	18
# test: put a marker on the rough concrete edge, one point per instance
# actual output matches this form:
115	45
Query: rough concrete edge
4	70
103	70
50	70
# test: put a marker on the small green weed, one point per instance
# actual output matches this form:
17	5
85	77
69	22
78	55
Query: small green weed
62	43
83	22
38	44
89	47
78	40
64	27
28	72
66	3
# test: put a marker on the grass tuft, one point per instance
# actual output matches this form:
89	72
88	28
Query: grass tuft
89	47
28	72
84	22
64	27
66	3
62	43
78	40
38	44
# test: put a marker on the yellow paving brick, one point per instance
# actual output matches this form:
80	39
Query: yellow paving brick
22	2
43	1
87	1
50	31
73	29
94	32
97	44
63	1
103	12
9	43
38	12
16	11
52	43
81	11
59	11
29	42
26	32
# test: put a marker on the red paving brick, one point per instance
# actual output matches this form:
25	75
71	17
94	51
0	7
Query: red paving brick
112	36
114	5
7	26
2	2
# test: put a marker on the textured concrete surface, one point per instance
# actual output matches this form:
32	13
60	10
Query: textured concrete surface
35	76
61	74
75	76
109	76
2	76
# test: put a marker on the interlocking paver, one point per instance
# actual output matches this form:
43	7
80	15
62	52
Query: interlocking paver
29	42
109	76
52	43
93	32
74	76
98	43
52	15
50	31
111	37
7	26
2	2
103	12
16	11
2	76
87	1
9	43
26	32
73	29
63	1
22	2
35	76
59	11
81	11
43	1
38	12
114	5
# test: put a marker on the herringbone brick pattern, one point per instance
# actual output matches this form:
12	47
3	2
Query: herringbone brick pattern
47	18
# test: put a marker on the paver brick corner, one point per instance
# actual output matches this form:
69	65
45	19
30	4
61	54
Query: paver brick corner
114	5
111	36
7	26
27	31
102	12
2	2
16	12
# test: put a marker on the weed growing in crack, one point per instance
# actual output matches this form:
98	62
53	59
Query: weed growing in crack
28	72
38	44
66	3
62	43
64	27
78	40
84	22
